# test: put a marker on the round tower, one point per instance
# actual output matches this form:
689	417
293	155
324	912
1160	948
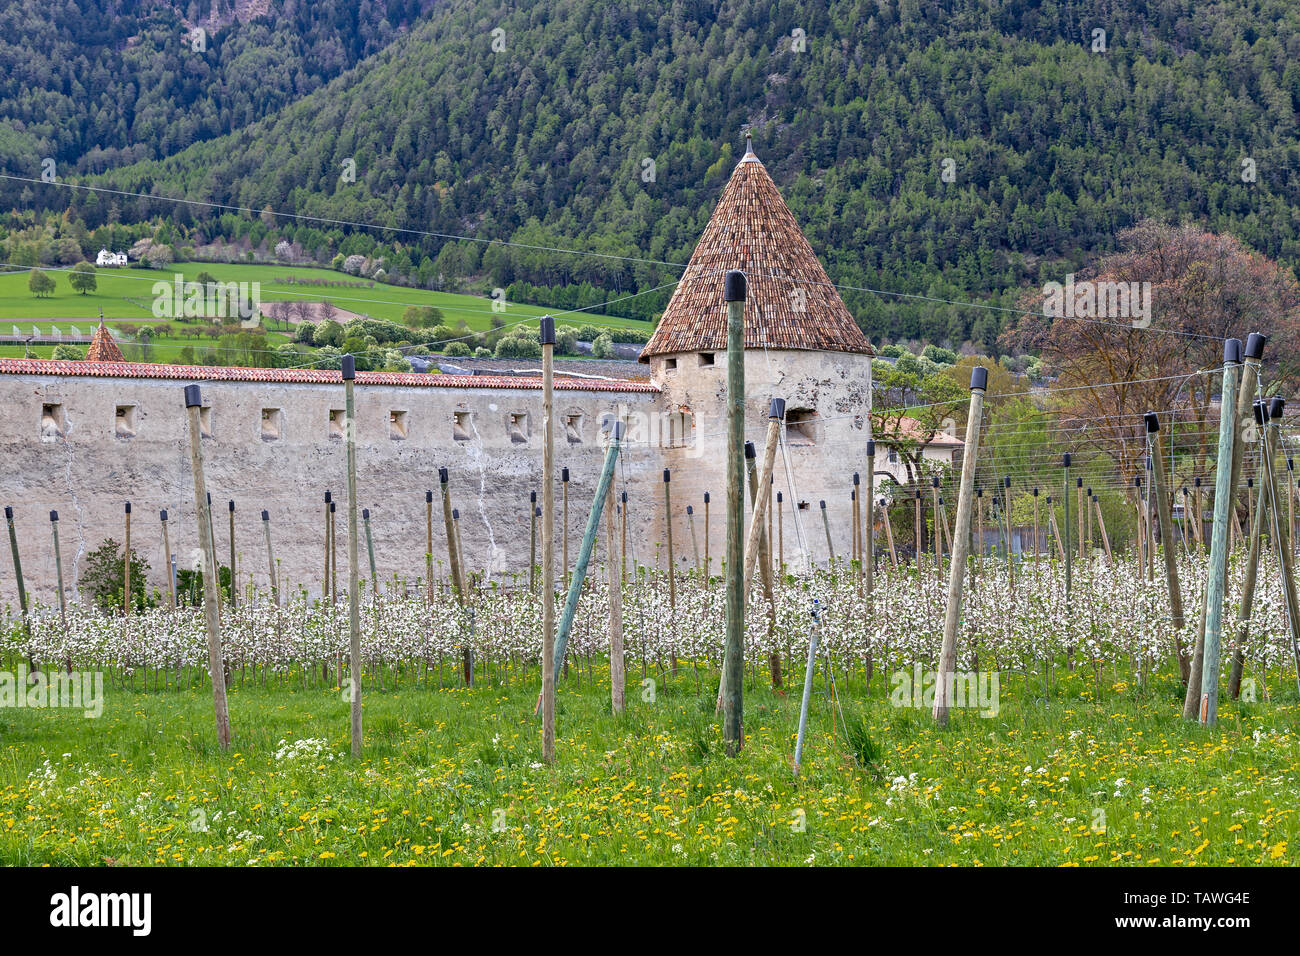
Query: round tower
801	344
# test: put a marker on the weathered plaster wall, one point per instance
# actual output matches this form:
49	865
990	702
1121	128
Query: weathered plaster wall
88	473
822	456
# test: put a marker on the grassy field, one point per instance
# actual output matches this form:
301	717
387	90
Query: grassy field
453	776
117	287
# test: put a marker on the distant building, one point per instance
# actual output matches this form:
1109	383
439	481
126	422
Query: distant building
939	447
110	259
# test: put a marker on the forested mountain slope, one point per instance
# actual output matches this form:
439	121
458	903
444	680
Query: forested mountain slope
1056	140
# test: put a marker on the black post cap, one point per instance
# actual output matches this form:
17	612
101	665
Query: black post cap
1035	492
232	507
193	396
455	514
871	448
1065	461
856	479
54	516
442	475
128	507
749	450
546	331
349	368
1197	483
1261	415
266	515
1078	482
779	497
625	497
1088	492
706	497
777	409
1049	499
1137	481
1232	351
690	510
822	505
1152	421
979	378
162	515
934	480
538	512
365	514
209	494
1255	345
667	475
564	474
1275	406
979	492
1006	481
9	513
329	496
1290	464
331	507
733	286
428	495
532	496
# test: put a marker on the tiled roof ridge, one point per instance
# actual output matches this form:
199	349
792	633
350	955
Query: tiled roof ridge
209	373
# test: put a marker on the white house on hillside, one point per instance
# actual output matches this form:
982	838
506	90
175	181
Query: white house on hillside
106	258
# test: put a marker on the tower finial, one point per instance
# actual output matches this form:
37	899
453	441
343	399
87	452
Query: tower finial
749	142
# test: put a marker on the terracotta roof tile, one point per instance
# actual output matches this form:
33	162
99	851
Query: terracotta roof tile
102	347
303	376
790	303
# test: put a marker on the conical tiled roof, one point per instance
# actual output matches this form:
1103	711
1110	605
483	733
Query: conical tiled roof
790	303
102	347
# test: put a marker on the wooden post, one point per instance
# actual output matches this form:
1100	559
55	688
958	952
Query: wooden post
564	508
466	576
18	564
1223	501
216	665
370	552
270	559
212	534
234	579
533	514
1159	483
938	532
889	534
761	491
1267	434
780	534
622	548
457	572
1055	531
1078	491
1006	508
58	564
334	558
428	546
167	558
1036	547
830	546
613	573
547	339
708	560
1087	501
695	541
979	527
588	545
1199	526
325	585
961	538
869	552
126	563
733	704
854	554
858	546
916	528
1065	498
1290	485
1285	558
354	585
668	525
1101	525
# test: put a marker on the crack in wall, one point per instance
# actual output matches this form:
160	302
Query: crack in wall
494	557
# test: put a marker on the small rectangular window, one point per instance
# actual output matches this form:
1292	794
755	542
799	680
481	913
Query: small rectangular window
707	358
272	424
205	421
517	427
338	418
573	429
461	426
397	425
803	506
52	422
670	364
801	426
124	421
